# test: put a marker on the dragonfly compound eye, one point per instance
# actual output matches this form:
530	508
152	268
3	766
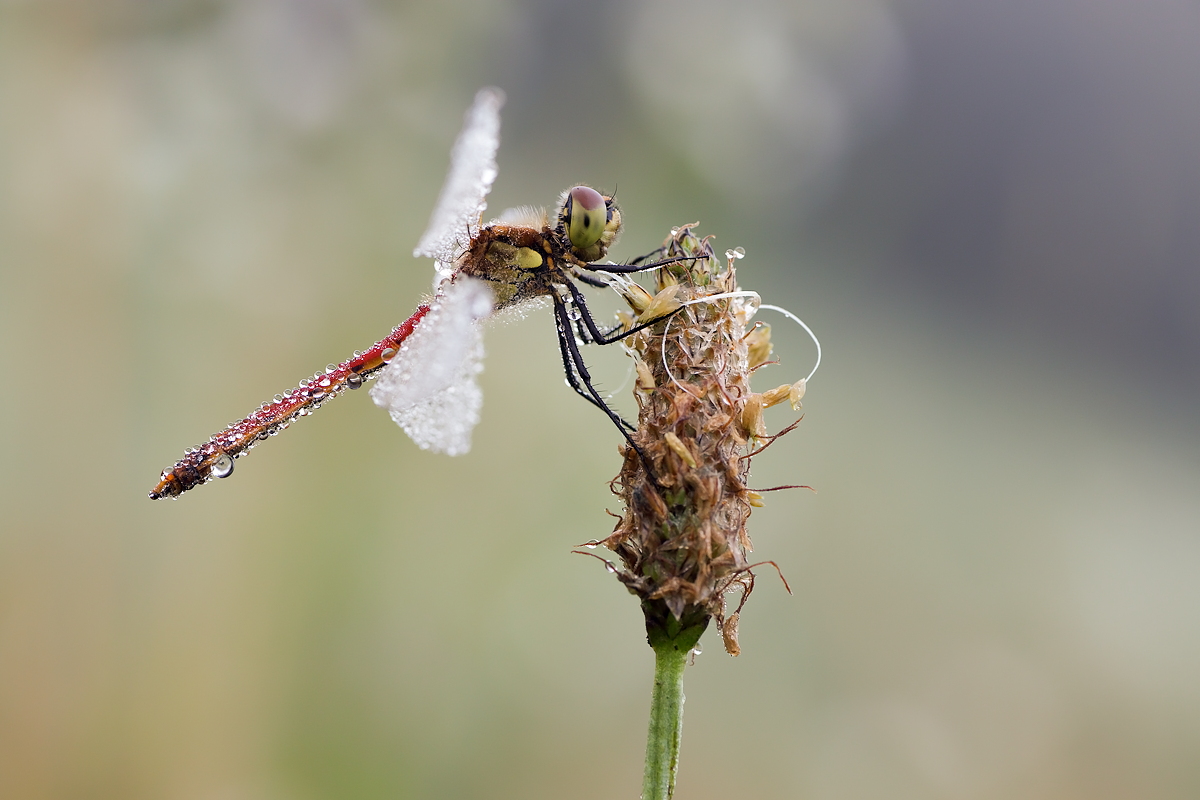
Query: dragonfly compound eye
585	214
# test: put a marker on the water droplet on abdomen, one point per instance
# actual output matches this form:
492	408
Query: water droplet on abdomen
223	466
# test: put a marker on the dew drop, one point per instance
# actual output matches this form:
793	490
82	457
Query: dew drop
324	382
354	380
278	398
223	466
674	232
330	369
388	353
574	314
735	253
611	567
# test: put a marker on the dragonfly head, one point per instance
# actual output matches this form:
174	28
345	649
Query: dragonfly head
589	222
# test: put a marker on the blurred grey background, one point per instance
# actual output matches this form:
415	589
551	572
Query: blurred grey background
989	212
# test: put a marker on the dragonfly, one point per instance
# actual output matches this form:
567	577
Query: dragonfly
427	366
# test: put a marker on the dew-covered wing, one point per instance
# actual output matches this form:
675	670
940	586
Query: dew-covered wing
430	386
472	171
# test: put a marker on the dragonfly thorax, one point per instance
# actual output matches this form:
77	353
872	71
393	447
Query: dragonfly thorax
518	263
521	262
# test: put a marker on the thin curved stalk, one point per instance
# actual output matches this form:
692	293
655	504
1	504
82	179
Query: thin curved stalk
666	722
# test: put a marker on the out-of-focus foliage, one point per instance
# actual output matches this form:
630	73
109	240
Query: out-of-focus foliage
988	212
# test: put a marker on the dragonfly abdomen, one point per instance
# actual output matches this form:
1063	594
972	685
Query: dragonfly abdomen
215	458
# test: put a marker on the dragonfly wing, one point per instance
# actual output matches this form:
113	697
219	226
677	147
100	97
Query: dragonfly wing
472	172
430	386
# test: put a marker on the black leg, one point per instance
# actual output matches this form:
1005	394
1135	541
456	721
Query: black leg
590	281
572	356
577	371
595	336
634	266
568	350
640	259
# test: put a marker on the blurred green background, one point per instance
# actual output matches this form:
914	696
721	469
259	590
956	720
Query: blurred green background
989	212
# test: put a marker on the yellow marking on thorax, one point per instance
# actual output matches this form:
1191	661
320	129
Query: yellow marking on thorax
528	258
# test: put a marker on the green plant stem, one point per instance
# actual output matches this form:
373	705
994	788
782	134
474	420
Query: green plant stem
666	722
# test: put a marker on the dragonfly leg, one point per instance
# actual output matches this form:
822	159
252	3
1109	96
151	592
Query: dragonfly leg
590	281
575	380
594	334
635	266
577	372
651	254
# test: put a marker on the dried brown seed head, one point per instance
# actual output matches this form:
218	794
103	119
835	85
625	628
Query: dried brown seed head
683	539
